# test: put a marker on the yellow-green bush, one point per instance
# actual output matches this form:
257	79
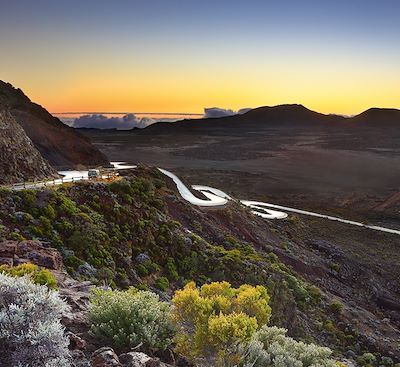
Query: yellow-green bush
37	274
216	316
227	329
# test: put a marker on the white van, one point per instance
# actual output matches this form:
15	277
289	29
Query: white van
93	173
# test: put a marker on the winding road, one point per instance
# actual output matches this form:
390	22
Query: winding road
214	197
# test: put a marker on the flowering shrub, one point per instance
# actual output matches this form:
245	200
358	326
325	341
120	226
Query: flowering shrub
30	330
38	275
270	347
125	319
214	318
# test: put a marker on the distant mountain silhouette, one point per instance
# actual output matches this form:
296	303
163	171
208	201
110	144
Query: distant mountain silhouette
286	112
282	115
378	116
278	115
59	144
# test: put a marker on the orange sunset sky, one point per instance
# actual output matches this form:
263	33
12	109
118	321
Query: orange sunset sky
172	56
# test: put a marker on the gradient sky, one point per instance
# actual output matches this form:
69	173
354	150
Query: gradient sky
338	56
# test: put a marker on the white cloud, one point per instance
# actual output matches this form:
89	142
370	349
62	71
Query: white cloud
243	110
130	120
125	122
215	112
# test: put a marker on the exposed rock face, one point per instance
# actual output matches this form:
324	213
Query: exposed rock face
105	357
75	341
13	253
138	359
19	159
61	145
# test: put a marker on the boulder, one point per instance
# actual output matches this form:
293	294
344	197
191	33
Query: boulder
75	342
86	269
142	258
8	249
138	359
105	357
78	359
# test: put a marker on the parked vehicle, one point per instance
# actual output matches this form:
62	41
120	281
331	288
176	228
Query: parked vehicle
93	173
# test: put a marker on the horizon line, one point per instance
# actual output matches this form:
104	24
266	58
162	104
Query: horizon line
125	113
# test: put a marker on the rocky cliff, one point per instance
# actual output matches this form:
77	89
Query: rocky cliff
59	144
19	159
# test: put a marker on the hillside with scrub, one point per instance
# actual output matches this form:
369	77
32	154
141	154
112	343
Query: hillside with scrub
143	274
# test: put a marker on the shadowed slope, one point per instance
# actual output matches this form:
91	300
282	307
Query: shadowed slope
58	143
19	159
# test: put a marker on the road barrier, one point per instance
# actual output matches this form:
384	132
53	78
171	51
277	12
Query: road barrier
57	181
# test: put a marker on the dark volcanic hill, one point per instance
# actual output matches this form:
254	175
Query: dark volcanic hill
282	115
59	144
19	159
379	116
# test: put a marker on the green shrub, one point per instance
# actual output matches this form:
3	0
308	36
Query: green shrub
142	270
170	269
161	283
335	266
3	232
329	326
16	236
315	294
67	206
49	212
38	275
387	361
271	347
124	319
336	306
28	197
366	359
73	261
152	267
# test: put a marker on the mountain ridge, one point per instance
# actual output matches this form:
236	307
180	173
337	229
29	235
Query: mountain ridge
19	159
285	114
59	144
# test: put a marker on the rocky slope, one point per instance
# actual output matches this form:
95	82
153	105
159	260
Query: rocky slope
19	159
59	144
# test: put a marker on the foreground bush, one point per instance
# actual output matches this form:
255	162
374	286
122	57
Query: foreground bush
38	275
213	319
30	330
124	319
270	347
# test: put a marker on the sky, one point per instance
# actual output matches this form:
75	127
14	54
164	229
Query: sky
339	56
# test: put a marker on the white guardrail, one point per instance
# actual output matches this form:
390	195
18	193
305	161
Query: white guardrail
56	181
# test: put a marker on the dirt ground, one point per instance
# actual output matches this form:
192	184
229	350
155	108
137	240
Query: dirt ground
342	170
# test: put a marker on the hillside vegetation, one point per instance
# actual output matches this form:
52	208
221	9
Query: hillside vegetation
136	231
